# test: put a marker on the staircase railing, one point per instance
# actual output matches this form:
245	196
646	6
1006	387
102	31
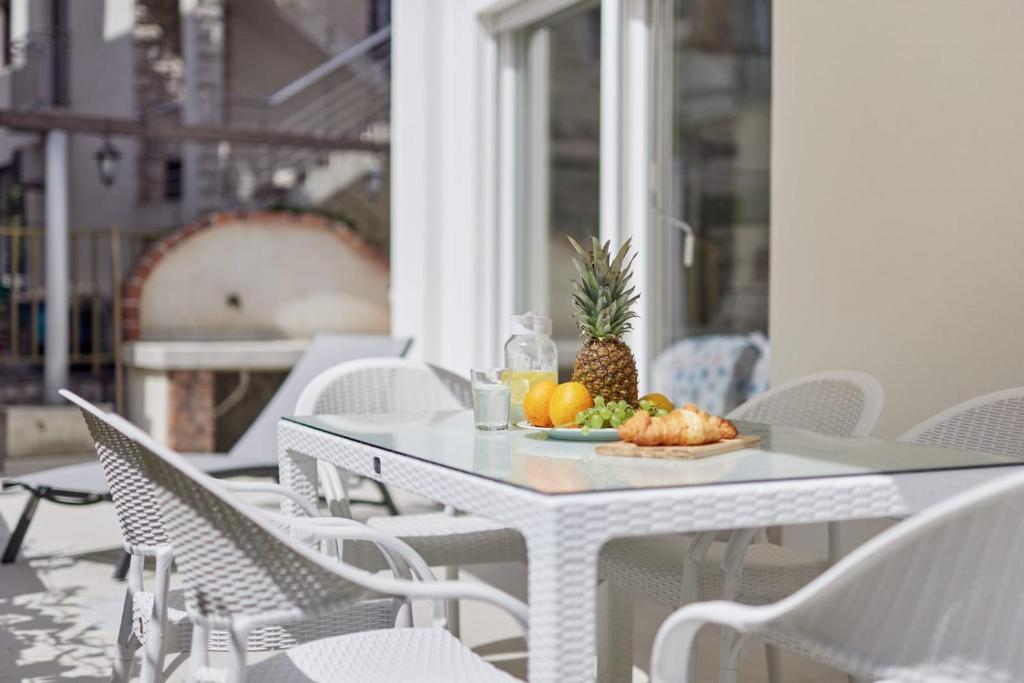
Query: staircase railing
349	94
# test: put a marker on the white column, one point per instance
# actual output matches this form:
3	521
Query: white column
56	358
635	157
611	217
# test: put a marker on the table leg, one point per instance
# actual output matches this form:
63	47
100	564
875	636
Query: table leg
562	587
615	634
297	472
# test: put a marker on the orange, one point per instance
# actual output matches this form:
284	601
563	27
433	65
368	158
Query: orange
659	401
535	405
567	399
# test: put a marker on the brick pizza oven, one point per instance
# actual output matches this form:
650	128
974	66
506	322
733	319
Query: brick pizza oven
226	306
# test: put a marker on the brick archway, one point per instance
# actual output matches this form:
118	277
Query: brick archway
131	292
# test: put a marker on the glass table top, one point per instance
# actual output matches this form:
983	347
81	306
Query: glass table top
530	460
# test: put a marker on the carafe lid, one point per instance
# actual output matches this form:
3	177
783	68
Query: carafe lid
531	323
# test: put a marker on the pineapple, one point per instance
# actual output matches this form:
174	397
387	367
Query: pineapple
602	301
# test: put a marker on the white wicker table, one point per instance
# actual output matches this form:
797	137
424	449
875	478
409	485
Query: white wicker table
568	502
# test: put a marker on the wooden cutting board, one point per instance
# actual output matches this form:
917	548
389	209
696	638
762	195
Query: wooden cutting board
631	450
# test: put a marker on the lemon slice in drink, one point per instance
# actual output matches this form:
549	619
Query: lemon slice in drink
518	387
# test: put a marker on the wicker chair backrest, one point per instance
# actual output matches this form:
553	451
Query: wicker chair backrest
135	504
993	423
838	403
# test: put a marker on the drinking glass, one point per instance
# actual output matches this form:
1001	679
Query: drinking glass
490	399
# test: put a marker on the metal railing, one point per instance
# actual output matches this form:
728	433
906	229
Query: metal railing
96	268
347	95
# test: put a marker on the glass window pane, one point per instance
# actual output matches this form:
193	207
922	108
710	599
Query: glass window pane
716	67
561	172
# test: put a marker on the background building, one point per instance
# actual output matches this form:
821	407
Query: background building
311	69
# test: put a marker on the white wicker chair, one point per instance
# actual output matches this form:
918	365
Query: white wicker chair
899	607
376	385
835	402
993	423
243	573
677	570
254	454
156	618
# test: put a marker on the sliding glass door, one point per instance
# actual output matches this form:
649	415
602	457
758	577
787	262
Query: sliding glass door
560	111
711	66
647	119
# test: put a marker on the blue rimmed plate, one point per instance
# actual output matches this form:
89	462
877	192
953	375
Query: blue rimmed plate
607	434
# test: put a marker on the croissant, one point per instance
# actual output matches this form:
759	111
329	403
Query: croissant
686	426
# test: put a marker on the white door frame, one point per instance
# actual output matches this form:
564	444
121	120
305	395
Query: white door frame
625	151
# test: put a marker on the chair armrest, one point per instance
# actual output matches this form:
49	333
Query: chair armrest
423	586
266	487
400	556
455	590
675	644
341	529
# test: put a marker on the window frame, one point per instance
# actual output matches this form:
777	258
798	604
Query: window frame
625	152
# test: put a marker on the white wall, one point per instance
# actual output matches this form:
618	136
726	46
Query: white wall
898	197
436	235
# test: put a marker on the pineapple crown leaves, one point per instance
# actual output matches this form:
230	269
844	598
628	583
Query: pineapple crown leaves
602	297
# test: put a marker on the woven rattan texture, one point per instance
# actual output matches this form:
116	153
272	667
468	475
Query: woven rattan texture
403	655
941	604
565	533
996	427
393	388
826	406
443	540
132	493
365	616
232	565
770	572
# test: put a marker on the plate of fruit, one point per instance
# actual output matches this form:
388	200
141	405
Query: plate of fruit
603	393
568	412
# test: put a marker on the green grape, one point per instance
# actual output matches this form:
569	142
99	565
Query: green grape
619	414
616	420
596	422
645	405
662	412
606	413
581	417
599	401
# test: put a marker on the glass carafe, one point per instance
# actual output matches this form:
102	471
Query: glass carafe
530	357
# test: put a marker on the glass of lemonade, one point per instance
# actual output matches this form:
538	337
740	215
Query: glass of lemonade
490	399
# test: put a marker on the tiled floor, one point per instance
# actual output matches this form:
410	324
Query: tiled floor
60	608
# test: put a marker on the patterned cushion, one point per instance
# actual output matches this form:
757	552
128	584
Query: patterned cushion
713	371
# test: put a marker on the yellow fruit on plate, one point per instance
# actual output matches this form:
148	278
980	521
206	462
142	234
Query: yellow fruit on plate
535	405
659	401
568	399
